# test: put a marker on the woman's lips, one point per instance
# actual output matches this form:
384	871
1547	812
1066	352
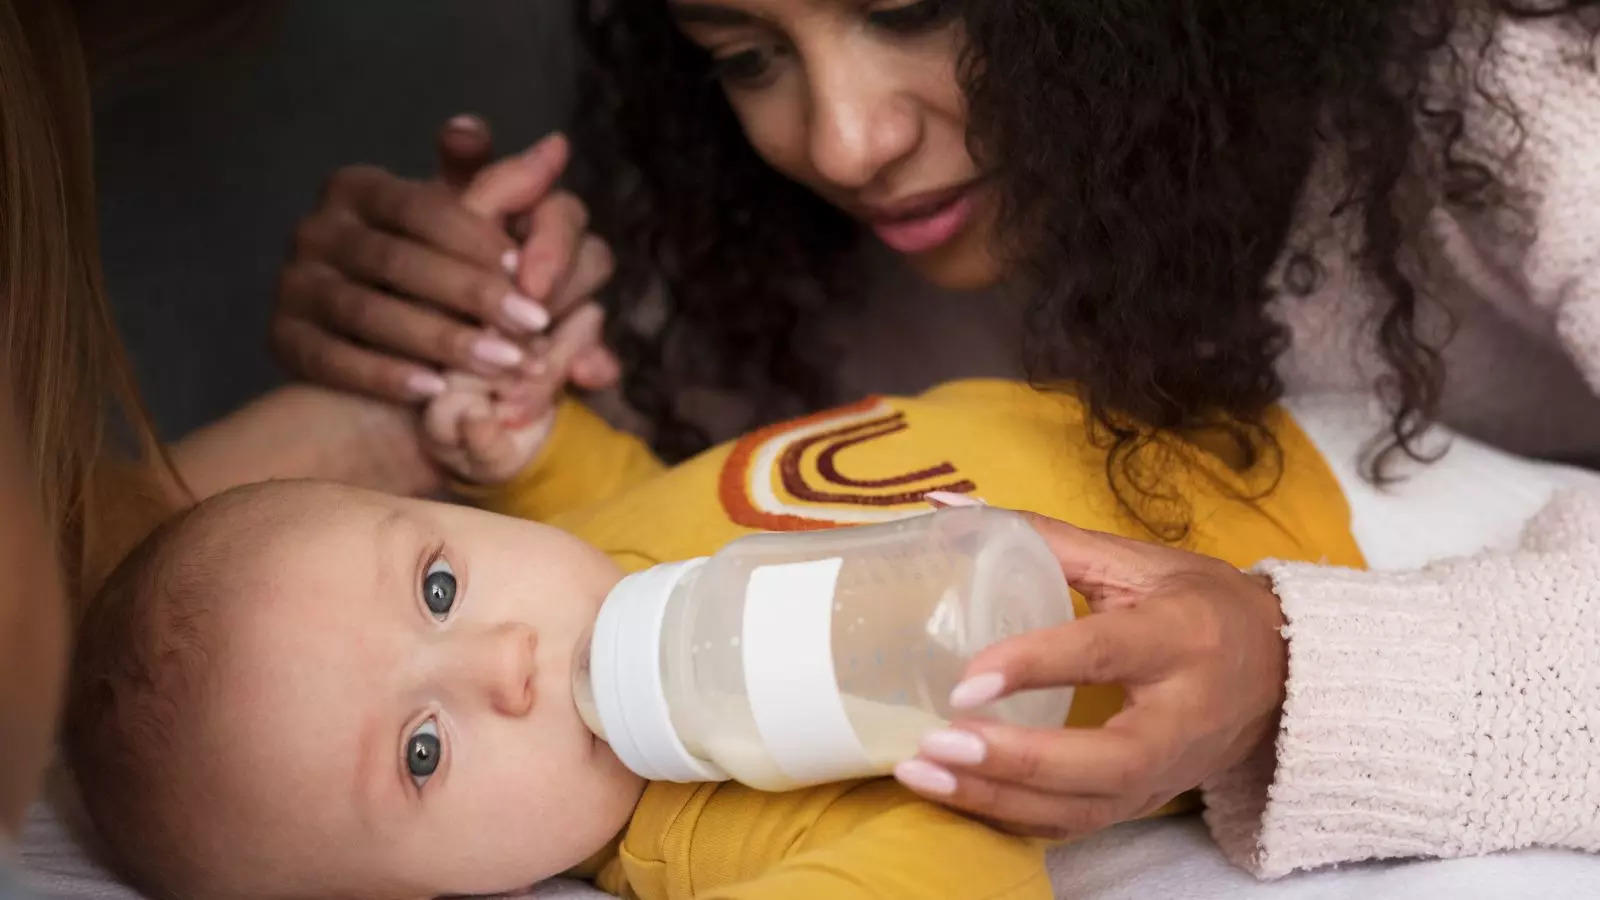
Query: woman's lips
928	225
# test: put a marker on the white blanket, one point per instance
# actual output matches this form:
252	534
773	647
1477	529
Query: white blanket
1474	498
1171	858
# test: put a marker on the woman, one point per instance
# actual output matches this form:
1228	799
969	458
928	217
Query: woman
60	367
1208	206
82	476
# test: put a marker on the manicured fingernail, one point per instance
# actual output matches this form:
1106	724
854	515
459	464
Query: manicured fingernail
956	747
466	122
510	261
925	778
526	312
977	690
950	498
425	385
496	351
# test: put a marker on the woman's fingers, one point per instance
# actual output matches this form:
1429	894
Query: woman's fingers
390	268
1121	758
1088	761
1014	807
1103	566
1119	647
465	146
428	213
417	332
517	183
417	270
306	347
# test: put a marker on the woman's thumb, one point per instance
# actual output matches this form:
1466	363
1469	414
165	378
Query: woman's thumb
516	184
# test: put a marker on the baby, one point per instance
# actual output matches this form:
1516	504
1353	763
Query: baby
303	690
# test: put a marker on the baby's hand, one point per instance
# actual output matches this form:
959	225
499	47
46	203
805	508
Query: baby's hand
487	431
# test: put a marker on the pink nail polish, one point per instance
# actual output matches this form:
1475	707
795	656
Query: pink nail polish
425	385
954	747
526	312
497	351
925	778
510	261
978	690
949	498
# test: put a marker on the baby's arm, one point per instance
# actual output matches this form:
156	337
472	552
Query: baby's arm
522	447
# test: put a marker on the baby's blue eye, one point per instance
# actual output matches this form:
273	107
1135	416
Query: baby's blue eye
423	750
439	589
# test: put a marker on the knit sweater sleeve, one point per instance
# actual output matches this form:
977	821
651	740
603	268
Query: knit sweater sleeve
1450	711
1544	155
1455	710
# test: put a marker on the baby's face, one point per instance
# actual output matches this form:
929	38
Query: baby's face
393	714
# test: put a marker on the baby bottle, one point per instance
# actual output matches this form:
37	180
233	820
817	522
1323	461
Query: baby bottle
794	659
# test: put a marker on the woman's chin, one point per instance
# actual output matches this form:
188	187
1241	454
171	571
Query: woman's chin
955	269
968	262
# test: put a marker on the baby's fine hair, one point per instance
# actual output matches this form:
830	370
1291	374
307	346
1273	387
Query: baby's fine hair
144	655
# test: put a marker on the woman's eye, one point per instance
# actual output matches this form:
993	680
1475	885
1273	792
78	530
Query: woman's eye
422	752
747	68
439	589
924	15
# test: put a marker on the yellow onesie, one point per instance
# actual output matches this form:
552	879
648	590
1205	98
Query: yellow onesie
871	462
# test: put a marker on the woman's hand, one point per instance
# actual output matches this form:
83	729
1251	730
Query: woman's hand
391	281
1197	645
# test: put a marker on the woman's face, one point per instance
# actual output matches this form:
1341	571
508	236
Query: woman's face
859	100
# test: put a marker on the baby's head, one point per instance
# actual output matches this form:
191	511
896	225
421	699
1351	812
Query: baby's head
304	690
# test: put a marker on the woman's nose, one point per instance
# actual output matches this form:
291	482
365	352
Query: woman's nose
504	665
859	127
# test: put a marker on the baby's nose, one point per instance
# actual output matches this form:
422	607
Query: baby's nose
508	667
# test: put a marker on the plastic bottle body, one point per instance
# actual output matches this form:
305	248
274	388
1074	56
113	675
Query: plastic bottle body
794	659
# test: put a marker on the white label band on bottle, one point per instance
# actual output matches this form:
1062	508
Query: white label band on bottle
788	668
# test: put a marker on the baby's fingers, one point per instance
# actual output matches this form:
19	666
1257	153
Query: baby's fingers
497	449
441	420
551	361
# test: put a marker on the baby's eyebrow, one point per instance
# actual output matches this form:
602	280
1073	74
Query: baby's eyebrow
369	778
375	779
385	535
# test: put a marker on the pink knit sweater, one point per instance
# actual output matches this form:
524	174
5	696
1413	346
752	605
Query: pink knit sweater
1456	710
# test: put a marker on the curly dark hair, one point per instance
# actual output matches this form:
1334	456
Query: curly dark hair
1150	157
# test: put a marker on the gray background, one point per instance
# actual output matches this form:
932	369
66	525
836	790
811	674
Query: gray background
205	168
